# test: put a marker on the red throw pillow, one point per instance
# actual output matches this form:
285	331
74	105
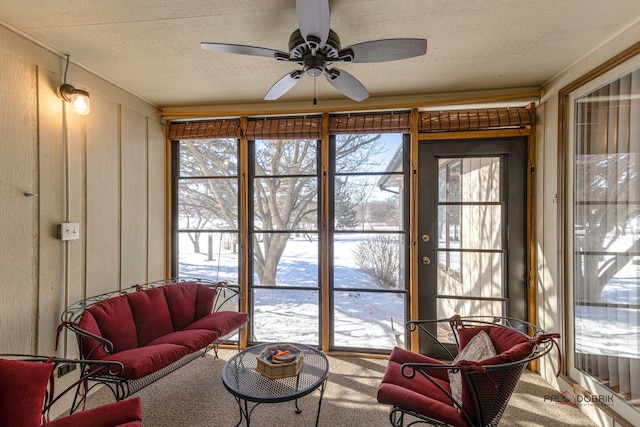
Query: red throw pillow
22	390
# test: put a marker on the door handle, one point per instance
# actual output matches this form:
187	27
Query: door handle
426	260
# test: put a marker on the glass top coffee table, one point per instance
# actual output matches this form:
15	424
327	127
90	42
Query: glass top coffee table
246	384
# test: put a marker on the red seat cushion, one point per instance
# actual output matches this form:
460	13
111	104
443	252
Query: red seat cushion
223	322
126	413
139	362
22	390
422	403
418	394
193	340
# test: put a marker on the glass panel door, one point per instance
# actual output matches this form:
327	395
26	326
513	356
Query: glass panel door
471	225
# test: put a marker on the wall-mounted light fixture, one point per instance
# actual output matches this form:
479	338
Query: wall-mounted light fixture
79	99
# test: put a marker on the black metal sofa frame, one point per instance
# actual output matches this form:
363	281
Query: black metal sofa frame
91	345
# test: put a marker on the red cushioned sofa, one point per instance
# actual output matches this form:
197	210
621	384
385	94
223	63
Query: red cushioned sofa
27	393
424	389
149	330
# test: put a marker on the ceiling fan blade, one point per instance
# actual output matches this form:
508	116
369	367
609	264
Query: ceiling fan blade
241	49
283	85
386	50
314	19
347	84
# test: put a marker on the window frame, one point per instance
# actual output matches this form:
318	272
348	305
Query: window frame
567	144
403	231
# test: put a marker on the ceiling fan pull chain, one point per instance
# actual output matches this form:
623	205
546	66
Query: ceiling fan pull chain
315	101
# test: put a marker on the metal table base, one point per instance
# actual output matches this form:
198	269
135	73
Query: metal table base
250	388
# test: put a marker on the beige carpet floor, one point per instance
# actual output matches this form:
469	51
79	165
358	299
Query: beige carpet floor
194	396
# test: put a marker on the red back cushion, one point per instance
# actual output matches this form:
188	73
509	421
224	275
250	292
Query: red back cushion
115	320
151	314
91	349
503	339
205	300
510	346
181	299
22	390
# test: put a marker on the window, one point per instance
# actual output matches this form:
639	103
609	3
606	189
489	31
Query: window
606	235
207	209
317	233
368	240
284	287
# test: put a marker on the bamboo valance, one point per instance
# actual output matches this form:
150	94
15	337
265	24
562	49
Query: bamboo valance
199	130
393	122
469	120
284	128
309	127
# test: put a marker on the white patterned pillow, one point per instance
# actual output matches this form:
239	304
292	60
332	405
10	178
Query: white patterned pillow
479	348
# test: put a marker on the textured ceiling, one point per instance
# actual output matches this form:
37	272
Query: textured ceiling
152	47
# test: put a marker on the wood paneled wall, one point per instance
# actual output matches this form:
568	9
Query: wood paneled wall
105	171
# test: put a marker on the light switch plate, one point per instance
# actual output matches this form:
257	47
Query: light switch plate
69	231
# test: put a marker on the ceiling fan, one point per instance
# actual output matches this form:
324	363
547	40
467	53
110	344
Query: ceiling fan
315	47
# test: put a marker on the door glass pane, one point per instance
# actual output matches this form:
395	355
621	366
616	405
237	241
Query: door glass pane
470	226
470	274
469	179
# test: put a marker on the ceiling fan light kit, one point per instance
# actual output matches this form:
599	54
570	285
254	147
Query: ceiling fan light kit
314	46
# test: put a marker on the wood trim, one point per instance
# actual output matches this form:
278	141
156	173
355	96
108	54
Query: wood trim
169	210
235	111
475	134
413	227
243	229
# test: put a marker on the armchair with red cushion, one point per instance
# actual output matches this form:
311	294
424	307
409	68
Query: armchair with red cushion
470	390
27	393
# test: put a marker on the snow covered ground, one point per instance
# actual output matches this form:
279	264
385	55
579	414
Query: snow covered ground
361	319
